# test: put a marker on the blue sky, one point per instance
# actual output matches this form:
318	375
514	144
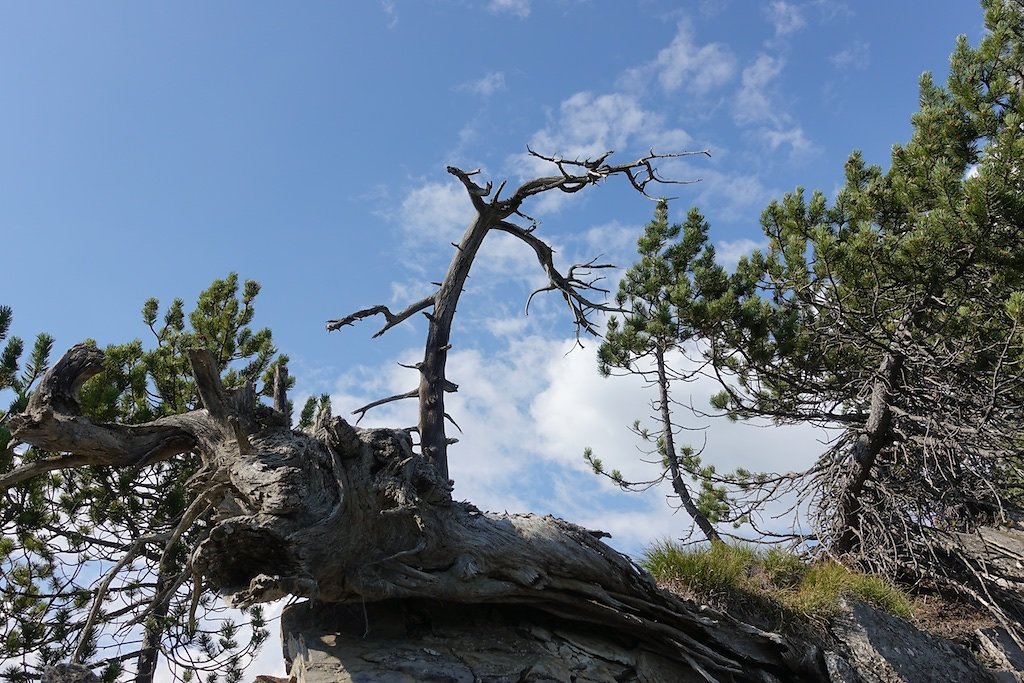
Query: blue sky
146	149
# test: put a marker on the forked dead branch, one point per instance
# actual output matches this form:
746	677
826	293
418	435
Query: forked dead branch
578	285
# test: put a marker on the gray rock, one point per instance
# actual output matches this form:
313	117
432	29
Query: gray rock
69	673
424	641
998	647
881	648
430	642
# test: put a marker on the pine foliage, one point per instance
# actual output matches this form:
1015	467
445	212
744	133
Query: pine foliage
69	535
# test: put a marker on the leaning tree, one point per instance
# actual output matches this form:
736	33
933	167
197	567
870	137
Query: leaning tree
362	525
676	273
894	312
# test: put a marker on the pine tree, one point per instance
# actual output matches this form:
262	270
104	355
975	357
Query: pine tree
672	281
133	527
23	507
895	313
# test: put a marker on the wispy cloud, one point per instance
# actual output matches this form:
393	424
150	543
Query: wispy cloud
612	239
589	125
757	105
486	86
434	213
685	64
730	195
699	68
753	101
389	9
856	56
800	146
519	8
785	17
712	8
730	251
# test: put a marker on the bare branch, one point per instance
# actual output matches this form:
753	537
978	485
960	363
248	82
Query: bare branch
577	174
476	193
86	632
570	286
391	318
450	387
361	412
492	213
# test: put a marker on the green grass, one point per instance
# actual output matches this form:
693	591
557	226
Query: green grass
812	591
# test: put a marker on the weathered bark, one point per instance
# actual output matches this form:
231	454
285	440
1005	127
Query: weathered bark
876	435
433	441
51	422
350	516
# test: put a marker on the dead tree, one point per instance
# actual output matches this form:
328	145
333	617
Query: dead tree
493	212
354	519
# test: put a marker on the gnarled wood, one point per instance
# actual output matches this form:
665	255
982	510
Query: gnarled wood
350	516
51	422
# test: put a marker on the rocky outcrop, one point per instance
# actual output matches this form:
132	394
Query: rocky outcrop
871	646
69	673
433	642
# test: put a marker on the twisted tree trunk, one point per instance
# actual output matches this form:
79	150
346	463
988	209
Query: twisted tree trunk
351	517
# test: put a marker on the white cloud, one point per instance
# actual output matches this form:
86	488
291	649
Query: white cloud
799	144
731	195
786	18
389	9
520	8
485	86
578	407
700	68
730	251
508	326
504	257
435	213
856	56
612	239
753	102
589	125
409	291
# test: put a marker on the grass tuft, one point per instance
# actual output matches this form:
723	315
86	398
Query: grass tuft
811	591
